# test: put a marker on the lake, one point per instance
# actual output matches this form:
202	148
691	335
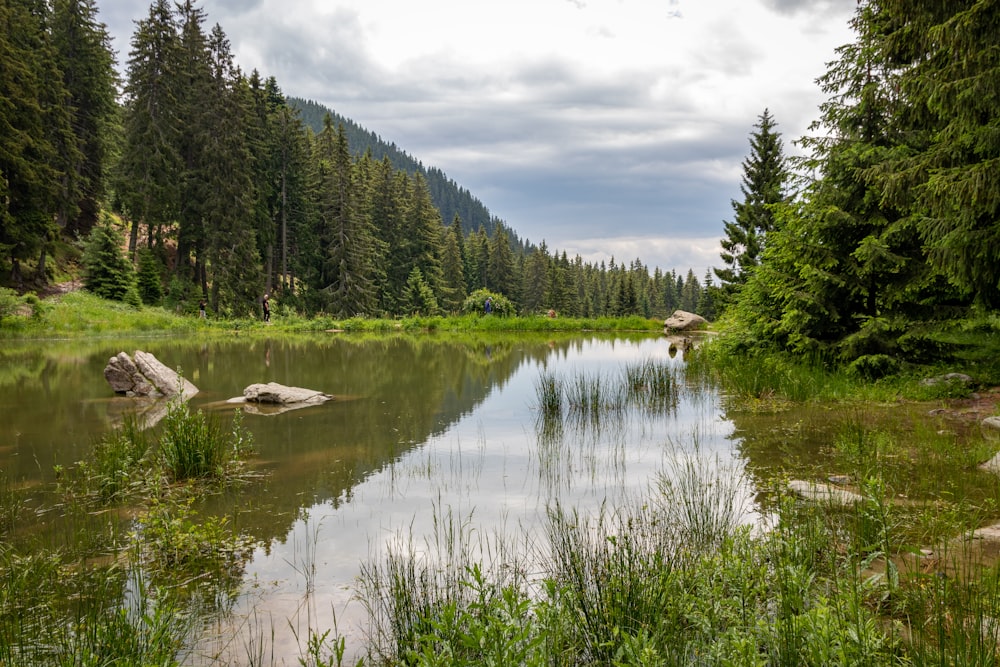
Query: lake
424	432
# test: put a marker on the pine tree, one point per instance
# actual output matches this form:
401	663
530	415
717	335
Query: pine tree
477	258
196	109
535	281
87	62
452	266
150	169
386	210
37	144
500	273
418	297
763	186
950	171
424	229
107	272
232	260
845	266
148	277
690	292
345	237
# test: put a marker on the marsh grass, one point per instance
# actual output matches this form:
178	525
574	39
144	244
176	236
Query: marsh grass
623	588
198	446
117	461
651	384
689	574
599	398
46	621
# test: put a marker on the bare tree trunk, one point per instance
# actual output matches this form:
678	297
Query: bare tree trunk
133	239
40	276
284	221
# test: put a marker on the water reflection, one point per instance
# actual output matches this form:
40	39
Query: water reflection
421	427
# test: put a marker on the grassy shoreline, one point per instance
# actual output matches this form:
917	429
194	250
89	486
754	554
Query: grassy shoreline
79	314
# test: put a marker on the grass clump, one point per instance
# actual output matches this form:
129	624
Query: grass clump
197	446
648	385
627	587
46	622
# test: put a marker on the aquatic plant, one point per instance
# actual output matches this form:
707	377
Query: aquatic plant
650	383
196	445
45	621
114	469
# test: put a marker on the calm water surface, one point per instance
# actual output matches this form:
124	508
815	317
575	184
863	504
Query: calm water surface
423	431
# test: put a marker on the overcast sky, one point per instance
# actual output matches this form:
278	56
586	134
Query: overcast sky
603	127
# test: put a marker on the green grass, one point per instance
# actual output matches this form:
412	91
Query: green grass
198	446
80	313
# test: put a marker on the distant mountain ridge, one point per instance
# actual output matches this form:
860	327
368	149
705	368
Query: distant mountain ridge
449	198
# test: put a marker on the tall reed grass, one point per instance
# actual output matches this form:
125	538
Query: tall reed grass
690	574
593	398
196	445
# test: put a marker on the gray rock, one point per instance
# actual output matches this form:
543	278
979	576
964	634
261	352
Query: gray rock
166	380
682	320
145	375
957	378
121	373
824	492
279	394
991	423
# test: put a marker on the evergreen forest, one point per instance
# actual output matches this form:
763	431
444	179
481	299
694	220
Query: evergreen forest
890	226
214	186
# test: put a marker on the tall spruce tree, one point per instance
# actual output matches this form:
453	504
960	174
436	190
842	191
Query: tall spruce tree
535	281
949	173
452	267
150	168
424	230
195	109
345	238
763	186
500	273
387	211
845	269
87	63
37	144
231	259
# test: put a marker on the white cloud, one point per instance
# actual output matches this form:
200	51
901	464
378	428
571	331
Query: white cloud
600	126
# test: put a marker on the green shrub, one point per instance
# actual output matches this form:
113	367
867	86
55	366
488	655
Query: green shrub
35	304
501	305
8	302
107	271
874	366
149	284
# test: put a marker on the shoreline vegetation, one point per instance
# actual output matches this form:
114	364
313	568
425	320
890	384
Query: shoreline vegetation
676	577
80	314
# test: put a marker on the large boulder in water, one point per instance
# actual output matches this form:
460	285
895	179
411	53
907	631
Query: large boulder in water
145	375
682	320
279	394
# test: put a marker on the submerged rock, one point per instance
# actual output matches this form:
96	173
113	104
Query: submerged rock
824	492
145	375
278	394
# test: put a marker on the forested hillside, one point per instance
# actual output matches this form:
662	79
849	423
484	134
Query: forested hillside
449	197
192	180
